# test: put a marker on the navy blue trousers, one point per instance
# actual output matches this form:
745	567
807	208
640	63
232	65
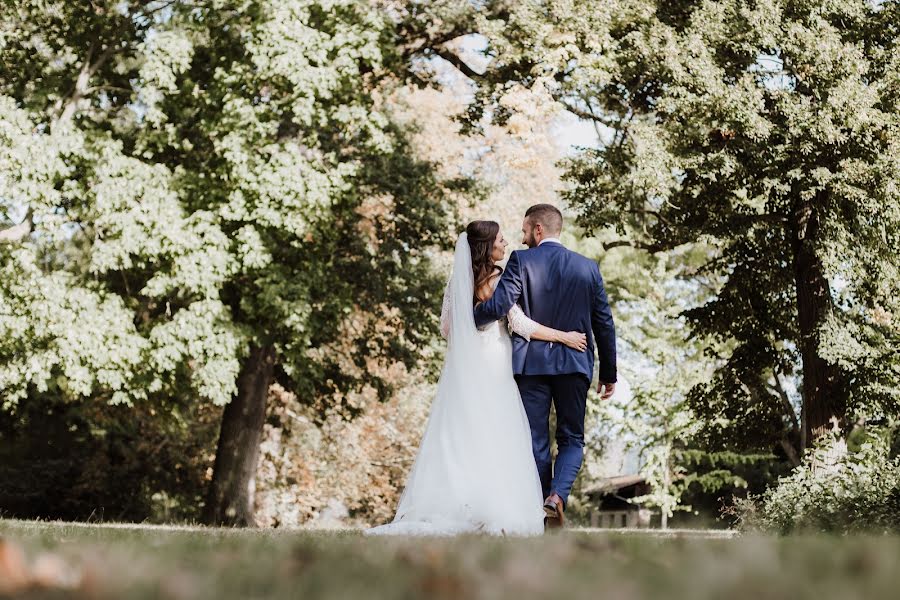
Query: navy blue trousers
568	393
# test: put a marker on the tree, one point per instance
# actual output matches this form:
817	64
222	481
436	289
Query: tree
769	132
217	192
650	413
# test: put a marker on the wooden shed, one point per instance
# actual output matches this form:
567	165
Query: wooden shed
612	506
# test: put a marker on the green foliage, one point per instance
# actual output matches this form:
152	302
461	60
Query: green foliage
766	134
204	177
43	351
659	362
99	462
838	492
764	137
715	471
195	179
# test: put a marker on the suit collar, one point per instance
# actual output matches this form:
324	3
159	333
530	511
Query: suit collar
551	241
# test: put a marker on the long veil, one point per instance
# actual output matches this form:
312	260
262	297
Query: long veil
463	334
475	468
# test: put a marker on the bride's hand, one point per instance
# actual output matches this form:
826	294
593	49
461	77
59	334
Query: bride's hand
575	340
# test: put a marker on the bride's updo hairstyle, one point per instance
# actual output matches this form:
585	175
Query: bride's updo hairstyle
482	235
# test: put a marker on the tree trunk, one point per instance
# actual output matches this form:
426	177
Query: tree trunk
231	493
824	403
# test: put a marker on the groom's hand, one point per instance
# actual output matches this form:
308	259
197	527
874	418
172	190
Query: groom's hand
606	390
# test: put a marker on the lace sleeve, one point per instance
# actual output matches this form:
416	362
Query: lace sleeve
445	312
521	324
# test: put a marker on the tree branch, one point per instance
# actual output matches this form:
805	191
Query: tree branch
162	6
20	231
587	115
81	89
652	213
785	402
459	63
108	88
764	218
421	43
790	451
651	248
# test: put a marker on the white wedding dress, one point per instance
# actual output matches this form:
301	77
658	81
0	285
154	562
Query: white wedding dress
475	472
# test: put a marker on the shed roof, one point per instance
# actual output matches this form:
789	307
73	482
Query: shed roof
614	484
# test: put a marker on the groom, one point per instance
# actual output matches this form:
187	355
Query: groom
564	290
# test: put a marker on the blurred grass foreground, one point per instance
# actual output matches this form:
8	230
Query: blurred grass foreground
57	560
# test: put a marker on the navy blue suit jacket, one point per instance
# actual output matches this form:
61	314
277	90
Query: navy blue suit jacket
561	289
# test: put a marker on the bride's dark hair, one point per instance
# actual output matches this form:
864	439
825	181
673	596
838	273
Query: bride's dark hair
482	235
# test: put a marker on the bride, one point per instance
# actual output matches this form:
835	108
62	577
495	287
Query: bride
475	471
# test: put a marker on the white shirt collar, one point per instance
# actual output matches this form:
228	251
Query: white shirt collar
550	240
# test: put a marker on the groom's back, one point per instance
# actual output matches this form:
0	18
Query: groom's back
558	287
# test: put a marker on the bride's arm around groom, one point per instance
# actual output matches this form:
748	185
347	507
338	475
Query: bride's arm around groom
550	280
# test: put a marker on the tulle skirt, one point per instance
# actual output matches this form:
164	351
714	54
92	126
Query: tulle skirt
475	471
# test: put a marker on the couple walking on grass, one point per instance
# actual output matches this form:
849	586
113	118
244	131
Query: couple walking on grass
519	340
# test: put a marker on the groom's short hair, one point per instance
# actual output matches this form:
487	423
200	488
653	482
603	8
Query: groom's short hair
548	216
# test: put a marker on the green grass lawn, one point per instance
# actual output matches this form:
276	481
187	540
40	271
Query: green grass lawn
223	563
